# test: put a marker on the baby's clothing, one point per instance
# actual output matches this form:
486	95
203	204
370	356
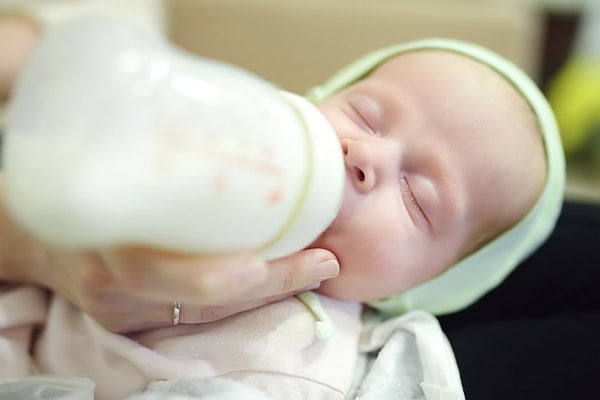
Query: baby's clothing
269	353
272	348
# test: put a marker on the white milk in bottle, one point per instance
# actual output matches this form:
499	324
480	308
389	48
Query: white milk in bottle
115	137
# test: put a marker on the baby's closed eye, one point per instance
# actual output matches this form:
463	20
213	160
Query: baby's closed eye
413	205
366	113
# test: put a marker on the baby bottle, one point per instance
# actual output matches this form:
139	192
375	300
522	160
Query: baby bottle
115	137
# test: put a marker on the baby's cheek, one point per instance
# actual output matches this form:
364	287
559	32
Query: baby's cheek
345	288
333	288
361	280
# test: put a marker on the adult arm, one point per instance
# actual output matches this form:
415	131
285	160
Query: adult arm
18	35
133	288
130	289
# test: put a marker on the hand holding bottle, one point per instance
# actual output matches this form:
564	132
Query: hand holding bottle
124	287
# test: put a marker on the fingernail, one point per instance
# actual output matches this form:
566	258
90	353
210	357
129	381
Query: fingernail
326	270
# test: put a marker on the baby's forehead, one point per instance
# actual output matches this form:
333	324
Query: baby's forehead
447	65
444	63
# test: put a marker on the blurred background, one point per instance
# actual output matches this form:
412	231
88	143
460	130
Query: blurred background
299	43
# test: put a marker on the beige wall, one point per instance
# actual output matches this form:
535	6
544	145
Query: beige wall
299	43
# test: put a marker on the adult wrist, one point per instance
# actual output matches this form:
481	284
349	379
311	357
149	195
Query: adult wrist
18	36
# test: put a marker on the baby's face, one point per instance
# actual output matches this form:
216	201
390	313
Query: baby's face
441	154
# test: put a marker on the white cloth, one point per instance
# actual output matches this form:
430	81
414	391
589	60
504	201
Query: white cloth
22	309
273	348
415	360
267	353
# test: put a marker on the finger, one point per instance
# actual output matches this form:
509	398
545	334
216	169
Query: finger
122	313
295	272
194	314
197	280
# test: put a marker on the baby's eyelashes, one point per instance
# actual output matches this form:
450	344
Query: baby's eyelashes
366	113
361	121
413	205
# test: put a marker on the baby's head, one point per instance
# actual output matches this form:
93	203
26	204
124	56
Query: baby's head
443	154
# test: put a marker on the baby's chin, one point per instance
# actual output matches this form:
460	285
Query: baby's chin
323	241
331	237
334	289
343	289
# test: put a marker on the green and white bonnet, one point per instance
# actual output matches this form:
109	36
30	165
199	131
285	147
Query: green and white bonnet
473	276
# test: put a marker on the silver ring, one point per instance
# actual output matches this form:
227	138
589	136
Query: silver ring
176	310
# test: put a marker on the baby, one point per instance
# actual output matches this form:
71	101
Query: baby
454	175
451	153
442	155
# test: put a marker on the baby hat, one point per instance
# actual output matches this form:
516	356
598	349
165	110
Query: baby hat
473	276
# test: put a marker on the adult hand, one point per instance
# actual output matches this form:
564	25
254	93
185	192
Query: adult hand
132	289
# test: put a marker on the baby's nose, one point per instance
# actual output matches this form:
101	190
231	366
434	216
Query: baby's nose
360	164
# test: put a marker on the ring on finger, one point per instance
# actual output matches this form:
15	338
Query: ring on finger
176	312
